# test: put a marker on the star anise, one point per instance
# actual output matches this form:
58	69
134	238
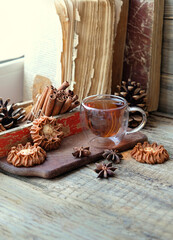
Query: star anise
104	170
112	155
81	152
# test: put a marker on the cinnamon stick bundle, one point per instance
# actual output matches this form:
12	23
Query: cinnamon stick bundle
54	101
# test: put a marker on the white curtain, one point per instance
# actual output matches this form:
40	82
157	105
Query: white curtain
43	44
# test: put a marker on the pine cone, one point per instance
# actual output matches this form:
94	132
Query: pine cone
9	117
135	96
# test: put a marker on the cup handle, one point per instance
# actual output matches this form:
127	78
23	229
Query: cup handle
144	119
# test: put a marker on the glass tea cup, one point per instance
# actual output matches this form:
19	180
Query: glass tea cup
105	119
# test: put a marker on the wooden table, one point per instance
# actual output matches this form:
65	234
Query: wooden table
136	204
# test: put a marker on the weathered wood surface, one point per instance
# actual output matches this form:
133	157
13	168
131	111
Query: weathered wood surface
166	90
167	47
136	204
166	94
168	9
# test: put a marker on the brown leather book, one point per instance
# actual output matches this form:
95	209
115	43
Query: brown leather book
143	47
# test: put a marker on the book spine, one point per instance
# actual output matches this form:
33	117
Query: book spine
143	47
139	41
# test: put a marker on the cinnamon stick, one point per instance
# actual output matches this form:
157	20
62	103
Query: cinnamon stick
66	105
50	92
50	105
69	93
41	101
63	86
75	97
57	107
74	105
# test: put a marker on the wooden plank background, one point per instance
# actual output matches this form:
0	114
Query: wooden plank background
168	9
166	92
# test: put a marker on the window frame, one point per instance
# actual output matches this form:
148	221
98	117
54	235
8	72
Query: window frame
12	78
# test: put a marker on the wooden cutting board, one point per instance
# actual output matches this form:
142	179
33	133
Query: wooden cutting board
61	161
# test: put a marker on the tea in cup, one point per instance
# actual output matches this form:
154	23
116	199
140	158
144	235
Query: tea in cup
106	117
